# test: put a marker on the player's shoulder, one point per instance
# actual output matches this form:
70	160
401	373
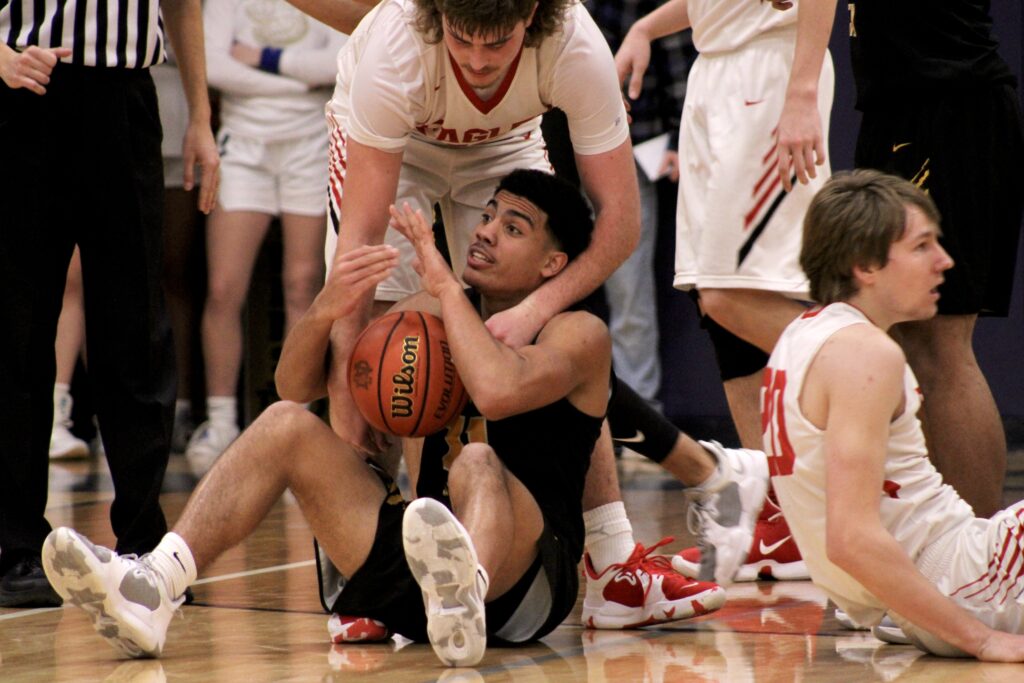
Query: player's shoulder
859	349
576	330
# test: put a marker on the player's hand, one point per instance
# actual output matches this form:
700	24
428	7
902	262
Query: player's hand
352	276
246	54
800	146
433	270
30	69
199	147
517	326
670	165
632	60
346	420
1002	647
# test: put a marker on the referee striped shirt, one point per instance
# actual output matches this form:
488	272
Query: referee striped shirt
110	33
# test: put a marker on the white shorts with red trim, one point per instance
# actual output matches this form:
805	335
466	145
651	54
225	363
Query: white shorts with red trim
461	180
281	176
735	225
981	567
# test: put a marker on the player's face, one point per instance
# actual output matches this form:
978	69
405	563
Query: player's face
485	59
511	249
909	282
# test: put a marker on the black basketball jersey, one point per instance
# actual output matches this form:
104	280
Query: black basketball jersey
548	449
920	47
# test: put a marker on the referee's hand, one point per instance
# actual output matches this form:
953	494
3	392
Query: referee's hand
30	69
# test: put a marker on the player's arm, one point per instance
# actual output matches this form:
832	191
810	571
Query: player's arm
371	180
801	146
609	180
341	15
229	73
503	381
184	22
301	373
634	55
859	373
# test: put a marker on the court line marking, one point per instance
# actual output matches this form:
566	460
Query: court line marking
210	579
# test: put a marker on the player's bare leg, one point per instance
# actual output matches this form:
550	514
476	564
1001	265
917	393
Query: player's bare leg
742	394
961	422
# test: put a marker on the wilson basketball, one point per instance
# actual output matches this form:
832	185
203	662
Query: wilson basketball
402	377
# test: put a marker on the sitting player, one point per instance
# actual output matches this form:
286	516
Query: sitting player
878	528
502	561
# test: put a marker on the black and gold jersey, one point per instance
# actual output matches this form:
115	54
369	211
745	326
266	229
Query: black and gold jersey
548	449
920	47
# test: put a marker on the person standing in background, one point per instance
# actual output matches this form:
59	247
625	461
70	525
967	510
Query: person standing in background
273	66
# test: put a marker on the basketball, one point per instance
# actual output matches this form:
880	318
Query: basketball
402	377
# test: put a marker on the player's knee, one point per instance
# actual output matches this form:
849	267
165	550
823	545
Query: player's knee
285	419
718	304
476	463
736	357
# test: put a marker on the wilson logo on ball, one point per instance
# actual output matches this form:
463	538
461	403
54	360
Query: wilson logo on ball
402	375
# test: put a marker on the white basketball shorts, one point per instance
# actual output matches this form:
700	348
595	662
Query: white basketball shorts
735	225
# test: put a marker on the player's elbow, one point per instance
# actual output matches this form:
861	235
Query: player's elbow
844	546
495	403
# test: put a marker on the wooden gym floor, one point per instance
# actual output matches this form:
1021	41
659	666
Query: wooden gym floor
257	618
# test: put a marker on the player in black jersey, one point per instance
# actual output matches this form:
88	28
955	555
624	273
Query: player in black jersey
941	110
501	563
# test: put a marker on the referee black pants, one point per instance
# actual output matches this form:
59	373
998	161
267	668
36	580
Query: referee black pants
82	165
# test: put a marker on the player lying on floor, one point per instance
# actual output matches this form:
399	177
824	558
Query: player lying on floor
878	528
502	561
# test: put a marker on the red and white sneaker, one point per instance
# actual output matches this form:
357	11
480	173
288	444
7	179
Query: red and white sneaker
772	555
644	590
356	630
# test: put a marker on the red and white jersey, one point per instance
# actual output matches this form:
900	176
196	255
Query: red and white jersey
394	86
725	25
916	507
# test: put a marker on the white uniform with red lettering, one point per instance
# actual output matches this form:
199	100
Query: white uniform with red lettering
978	562
397	92
735	226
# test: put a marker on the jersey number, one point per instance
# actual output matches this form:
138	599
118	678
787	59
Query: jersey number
773	423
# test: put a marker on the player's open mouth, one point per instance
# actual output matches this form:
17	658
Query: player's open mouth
478	255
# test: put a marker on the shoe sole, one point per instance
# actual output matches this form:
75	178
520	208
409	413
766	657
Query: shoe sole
75	569
443	562
663	612
766	570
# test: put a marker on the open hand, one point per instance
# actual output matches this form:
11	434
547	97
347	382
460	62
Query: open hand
433	270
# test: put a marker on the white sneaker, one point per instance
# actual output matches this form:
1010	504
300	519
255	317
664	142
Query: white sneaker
123	595
443	562
64	444
846	622
207	443
888	632
723	520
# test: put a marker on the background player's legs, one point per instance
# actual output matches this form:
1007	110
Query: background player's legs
758	318
302	272
233	240
286	447
965	436
500	514
70	339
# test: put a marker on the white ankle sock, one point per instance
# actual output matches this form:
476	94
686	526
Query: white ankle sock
173	560
222	410
609	537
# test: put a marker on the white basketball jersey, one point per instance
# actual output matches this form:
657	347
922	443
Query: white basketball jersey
393	86
915	506
724	25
